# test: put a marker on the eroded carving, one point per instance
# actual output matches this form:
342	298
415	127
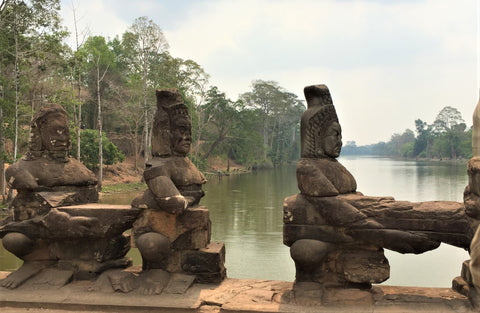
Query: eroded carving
173	232
45	230
336	234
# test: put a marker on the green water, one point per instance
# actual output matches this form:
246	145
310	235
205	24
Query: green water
246	213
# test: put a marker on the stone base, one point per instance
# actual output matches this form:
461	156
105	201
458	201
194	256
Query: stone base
232	295
464	285
189	234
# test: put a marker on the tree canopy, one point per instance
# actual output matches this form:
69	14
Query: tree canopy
108	85
446	138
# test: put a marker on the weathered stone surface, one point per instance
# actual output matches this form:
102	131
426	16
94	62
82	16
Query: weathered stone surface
474	265
49	278
206	263
233	295
364	266
460	286
47	230
174	226
172	232
336	234
292	233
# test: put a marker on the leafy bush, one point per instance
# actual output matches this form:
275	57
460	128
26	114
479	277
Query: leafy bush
89	149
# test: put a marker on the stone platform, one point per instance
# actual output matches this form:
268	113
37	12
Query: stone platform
233	295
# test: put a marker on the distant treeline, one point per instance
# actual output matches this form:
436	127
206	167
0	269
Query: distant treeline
446	138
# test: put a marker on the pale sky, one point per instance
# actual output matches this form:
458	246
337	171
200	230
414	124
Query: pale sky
386	62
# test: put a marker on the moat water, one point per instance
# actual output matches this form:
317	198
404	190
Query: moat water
246	213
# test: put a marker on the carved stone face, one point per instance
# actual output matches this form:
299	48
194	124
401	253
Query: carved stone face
329	144
54	133
181	136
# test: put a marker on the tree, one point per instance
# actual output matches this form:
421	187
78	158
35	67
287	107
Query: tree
90	147
191	80
401	145
144	40
450	124
220	114
77	78
280	112
424	138
99	57
30	40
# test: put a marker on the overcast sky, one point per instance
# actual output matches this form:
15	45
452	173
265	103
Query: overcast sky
386	62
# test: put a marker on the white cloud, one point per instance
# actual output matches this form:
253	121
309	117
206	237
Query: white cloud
94	18
387	63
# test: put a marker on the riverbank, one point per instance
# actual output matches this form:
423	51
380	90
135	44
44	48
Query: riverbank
234	295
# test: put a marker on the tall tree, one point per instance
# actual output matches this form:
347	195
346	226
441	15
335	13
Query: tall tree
220	113
80	37
449	123
30	40
99	58
145	41
280	111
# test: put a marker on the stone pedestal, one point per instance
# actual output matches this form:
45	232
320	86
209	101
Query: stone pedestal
346	262
83	240
189	234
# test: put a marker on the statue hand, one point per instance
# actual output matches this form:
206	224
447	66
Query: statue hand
173	205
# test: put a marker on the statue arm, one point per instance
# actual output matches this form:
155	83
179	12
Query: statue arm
18	178
312	182
166	193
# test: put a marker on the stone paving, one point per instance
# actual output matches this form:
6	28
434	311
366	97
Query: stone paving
234	295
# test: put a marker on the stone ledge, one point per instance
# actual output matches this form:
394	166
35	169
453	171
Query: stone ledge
234	295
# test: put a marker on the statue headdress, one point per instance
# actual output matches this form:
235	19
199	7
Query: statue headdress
320	114
169	107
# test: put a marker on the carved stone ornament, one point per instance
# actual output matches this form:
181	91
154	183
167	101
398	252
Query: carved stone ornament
337	235
173	232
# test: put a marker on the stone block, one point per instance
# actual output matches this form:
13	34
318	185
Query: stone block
465	273
100	250
364	266
195	239
460	286
172	226
207	263
473	170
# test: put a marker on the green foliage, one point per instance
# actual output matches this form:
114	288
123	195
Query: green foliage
445	138
89	146
280	112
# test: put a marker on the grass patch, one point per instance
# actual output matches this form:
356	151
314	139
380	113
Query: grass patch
123	187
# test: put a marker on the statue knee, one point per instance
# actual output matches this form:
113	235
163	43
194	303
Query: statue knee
18	244
153	247
308	252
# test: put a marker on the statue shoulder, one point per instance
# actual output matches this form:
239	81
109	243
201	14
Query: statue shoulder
323	177
312	180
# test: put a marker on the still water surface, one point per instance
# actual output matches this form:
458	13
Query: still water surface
246	213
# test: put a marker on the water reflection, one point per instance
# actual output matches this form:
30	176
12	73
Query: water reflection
246	213
415	181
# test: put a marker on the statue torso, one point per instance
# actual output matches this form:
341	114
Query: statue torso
320	177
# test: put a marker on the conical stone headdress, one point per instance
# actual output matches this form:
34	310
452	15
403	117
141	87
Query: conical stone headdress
320	114
169	107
